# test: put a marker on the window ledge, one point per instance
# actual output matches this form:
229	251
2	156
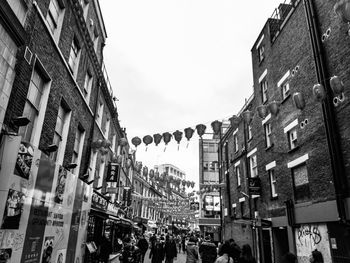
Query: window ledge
261	61
285	99
294	149
268	148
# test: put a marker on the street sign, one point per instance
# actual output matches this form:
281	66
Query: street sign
254	184
113	172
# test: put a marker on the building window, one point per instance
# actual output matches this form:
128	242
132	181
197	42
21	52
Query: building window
253	166
74	55
61	125
76	149
285	90
292	138
95	38
272	177
238	175
263	86
268	135
99	113
32	106
261	53
242	209
250	135
87	86
54	17
20	8
235	143
301	183
106	128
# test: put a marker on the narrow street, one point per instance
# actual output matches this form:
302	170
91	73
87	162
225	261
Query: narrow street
181	258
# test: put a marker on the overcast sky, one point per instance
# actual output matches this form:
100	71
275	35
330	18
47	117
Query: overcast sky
177	63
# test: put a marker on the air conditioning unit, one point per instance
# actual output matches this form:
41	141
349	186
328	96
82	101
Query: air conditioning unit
28	55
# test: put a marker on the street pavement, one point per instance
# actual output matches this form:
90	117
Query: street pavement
181	258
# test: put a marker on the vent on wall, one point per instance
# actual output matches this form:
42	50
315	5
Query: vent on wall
28	55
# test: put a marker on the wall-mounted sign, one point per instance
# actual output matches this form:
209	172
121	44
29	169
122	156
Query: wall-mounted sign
254	185
99	202
209	203
194	206
217	203
113	172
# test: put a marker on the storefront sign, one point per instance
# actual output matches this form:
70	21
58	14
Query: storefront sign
112	209
99	202
209	203
217	203
113	172
254	186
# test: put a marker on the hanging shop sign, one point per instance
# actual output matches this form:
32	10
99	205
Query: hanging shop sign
113	171
254	185
99	202
209	203
217	203
194	206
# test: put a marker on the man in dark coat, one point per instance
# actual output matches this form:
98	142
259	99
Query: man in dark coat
207	251
170	249
143	246
157	251
131	253
235	250
105	248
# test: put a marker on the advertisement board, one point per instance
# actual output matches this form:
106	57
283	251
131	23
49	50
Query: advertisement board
36	206
209	203
217	203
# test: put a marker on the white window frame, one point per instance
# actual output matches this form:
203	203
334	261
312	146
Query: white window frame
81	138
283	84
272	178
263	87
253	165
100	107
56	31
107	126
235	143
238	173
268	134
74	56
289	130
39	120
259	47
64	136
87	86
250	134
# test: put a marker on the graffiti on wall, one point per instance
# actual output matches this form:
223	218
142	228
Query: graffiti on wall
309	237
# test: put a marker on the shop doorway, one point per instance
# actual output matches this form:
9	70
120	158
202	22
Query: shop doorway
266	243
280	242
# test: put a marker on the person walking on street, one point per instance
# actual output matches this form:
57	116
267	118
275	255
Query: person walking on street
157	251
225	258
207	250
170	249
105	248
246	256
143	246
235	250
183	243
131	253
191	251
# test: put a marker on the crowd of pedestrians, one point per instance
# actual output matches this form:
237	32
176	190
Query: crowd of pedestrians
166	247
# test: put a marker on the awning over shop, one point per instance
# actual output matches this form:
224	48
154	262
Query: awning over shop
122	221
99	213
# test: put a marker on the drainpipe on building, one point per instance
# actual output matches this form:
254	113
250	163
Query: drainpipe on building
333	140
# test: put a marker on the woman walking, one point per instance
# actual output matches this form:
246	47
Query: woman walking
157	251
191	251
246	255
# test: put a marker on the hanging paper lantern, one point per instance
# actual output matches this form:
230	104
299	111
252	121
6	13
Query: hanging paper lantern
247	116
178	136
189	133
119	159
104	151
145	171
234	120
188	183
166	137
139	167
274	107
106	143
136	141
98	143
192	184
299	101
151	173
319	92
216	125
123	142
147	139
128	163
157	138
262	111
183	182
337	85
342	9
201	129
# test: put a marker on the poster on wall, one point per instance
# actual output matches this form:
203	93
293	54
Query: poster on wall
216	200
5	255
209	203
60	185
61	256
47	250
24	160
309	237
13	210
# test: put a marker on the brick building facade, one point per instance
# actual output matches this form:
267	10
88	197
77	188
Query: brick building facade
299	155
52	73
